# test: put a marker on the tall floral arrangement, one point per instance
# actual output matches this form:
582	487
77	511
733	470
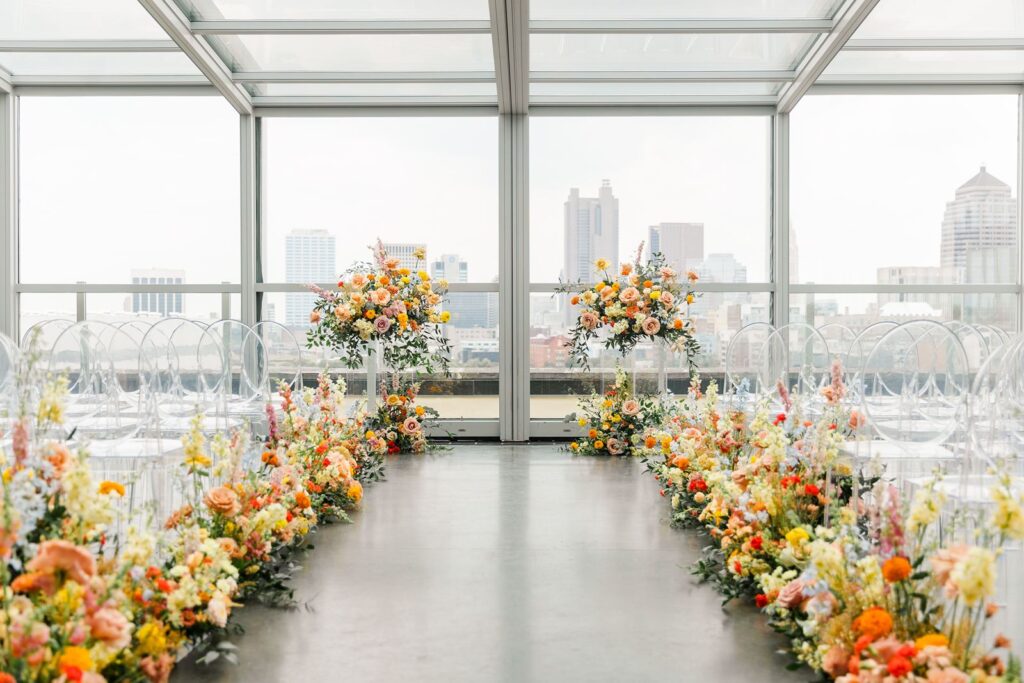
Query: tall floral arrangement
644	301
387	303
613	421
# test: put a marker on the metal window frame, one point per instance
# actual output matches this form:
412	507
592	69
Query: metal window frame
8	212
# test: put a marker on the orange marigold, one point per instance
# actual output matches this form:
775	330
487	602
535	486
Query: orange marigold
896	569
874	622
931	640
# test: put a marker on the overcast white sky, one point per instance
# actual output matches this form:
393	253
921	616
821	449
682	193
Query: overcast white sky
111	184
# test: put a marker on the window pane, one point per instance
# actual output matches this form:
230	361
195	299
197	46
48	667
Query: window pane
76	20
34	309
601	186
425	52
97	63
671	52
944	19
152	306
904	189
643	92
682	9
926	62
382	90
334	185
114	188
857	311
311	10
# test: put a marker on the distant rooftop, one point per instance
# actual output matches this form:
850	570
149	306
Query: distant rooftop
983	179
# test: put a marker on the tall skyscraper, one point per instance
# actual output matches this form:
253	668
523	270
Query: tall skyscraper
403	251
682	244
722	268
309	257
591	232
468	309
164	303
983	215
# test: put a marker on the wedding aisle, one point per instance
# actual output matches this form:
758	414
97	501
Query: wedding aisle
504	563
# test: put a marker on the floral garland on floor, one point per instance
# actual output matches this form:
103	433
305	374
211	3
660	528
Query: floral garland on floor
613	421
80	604
387	303
642	303
399	420
868	598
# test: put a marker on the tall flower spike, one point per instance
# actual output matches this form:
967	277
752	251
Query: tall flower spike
639	252
787	402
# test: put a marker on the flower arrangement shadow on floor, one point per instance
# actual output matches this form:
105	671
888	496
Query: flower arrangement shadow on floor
860	580
83	603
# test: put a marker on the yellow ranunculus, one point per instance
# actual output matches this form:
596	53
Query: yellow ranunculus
445	316
655	295
797	535
582	422
601	264
424	275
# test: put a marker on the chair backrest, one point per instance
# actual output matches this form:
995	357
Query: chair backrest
743	356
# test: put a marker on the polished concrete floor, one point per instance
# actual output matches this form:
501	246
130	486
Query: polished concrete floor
504	563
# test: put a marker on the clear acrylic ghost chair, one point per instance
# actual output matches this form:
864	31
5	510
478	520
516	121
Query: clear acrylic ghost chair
8	384
995	336
976	346
797	357
856	359
283	357
244	386
916	383
743	357
45	333
80	355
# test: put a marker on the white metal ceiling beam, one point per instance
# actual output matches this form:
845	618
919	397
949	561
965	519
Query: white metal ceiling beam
660	76
88	46
851	16
174	23
97	80
502	55
373	101
908	44
222	27
652	100
682	26
510	33
364	76
918	79
6	82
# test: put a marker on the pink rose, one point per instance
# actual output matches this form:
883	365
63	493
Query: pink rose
588	319
78	563
111	627
650	326
629	295
411	426
381	296
382	324
791	595
667	299
630	407
616	447
942	566
667	273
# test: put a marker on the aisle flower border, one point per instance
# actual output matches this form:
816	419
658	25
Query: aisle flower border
81	605
870	598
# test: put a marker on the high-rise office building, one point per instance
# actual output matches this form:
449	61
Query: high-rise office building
309	258
164	303
983	215
682	244
403	251
468	309
722	268
591	232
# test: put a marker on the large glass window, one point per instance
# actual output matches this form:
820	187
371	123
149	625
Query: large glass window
694	188
904	189
141	190
334	185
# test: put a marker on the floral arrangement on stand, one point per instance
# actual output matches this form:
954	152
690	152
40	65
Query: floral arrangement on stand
851	574
399	420
643	302
82	602
383	302
613	421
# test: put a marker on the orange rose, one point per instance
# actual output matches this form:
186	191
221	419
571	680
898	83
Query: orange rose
302	499
896	569
874	623
223	501
77	563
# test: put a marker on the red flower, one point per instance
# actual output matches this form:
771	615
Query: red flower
811	490
761	600
697	485
737	567
757	543
899	666
908	651
322	448
780	418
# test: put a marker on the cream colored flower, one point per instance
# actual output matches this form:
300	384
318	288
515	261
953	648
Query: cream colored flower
975	575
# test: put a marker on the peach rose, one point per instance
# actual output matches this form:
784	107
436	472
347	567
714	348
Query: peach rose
791	595
836	661
358	280
314	317
667	299
58	456
223	501
157	669
382	324
650	326
629	295
53	556
942	566
630	407
111	627
616	447
381	296
588	319
411	426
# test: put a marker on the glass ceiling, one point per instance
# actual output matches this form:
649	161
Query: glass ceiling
567	52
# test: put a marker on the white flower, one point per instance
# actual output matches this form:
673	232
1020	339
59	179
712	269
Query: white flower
975	575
